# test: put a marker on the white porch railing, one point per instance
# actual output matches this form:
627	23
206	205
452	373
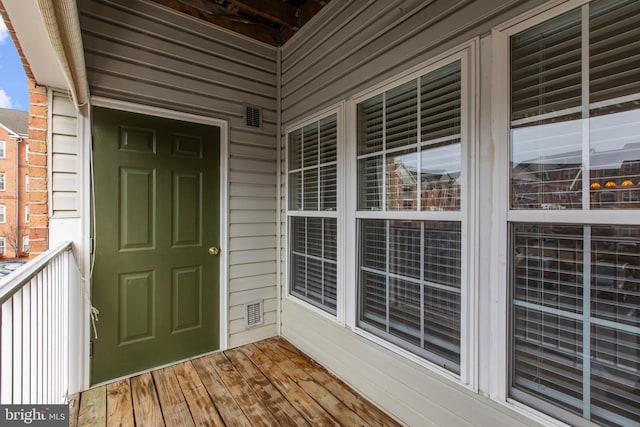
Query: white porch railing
34	333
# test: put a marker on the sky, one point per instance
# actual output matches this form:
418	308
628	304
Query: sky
13	81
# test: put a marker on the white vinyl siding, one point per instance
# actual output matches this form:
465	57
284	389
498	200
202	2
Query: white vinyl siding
65	158
143	53
575	282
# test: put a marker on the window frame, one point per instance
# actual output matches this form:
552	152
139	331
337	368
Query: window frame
3	246
25	243
466	215
504	216
3	214
27	213
3	149
338	213
3	181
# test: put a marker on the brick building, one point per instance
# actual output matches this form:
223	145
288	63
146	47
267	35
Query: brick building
14	186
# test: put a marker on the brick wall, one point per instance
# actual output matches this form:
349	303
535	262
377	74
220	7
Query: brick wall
38	196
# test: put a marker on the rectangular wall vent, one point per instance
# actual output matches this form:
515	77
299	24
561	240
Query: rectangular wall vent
253	314
252	116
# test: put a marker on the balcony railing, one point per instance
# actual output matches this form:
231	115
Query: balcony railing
35	306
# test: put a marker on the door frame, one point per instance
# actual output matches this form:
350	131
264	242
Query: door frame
86	208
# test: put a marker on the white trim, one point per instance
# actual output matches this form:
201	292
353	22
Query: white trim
224	186
280	289
500	195
49	152
537	15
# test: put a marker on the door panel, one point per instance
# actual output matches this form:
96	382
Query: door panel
156	213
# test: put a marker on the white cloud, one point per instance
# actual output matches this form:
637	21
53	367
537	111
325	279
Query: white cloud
4	33
5	100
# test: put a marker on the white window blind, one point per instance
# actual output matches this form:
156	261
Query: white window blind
313	181
575	287
409	270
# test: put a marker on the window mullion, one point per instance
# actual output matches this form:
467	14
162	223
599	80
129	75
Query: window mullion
586	155
386	276
384	153
586	325
419	145
422	285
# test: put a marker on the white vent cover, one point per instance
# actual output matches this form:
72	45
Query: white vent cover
253	314
252	116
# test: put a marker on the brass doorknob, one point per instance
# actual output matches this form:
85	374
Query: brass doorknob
213	251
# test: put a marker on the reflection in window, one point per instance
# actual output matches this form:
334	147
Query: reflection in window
557	134
575	144
406	167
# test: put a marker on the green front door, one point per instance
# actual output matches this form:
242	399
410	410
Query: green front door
156	217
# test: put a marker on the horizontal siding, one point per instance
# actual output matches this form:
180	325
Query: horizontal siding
65	158
375	41
141	52
353	47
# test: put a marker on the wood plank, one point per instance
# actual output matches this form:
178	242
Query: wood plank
146	406
174	407
74	408
223	399
119	404
308	407
203	410
352	399
332	404
253	408
280	407
93	407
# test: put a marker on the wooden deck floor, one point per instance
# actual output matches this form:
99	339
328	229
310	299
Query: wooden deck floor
269	383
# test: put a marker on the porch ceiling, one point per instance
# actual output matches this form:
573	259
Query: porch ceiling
270	21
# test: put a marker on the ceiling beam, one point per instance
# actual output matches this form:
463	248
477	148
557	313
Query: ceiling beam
209	12
277	11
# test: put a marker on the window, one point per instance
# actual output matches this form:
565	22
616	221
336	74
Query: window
26	183
2	246
2	150
410	142
3	211
27	213
313	179
2	176
25	243
575	280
